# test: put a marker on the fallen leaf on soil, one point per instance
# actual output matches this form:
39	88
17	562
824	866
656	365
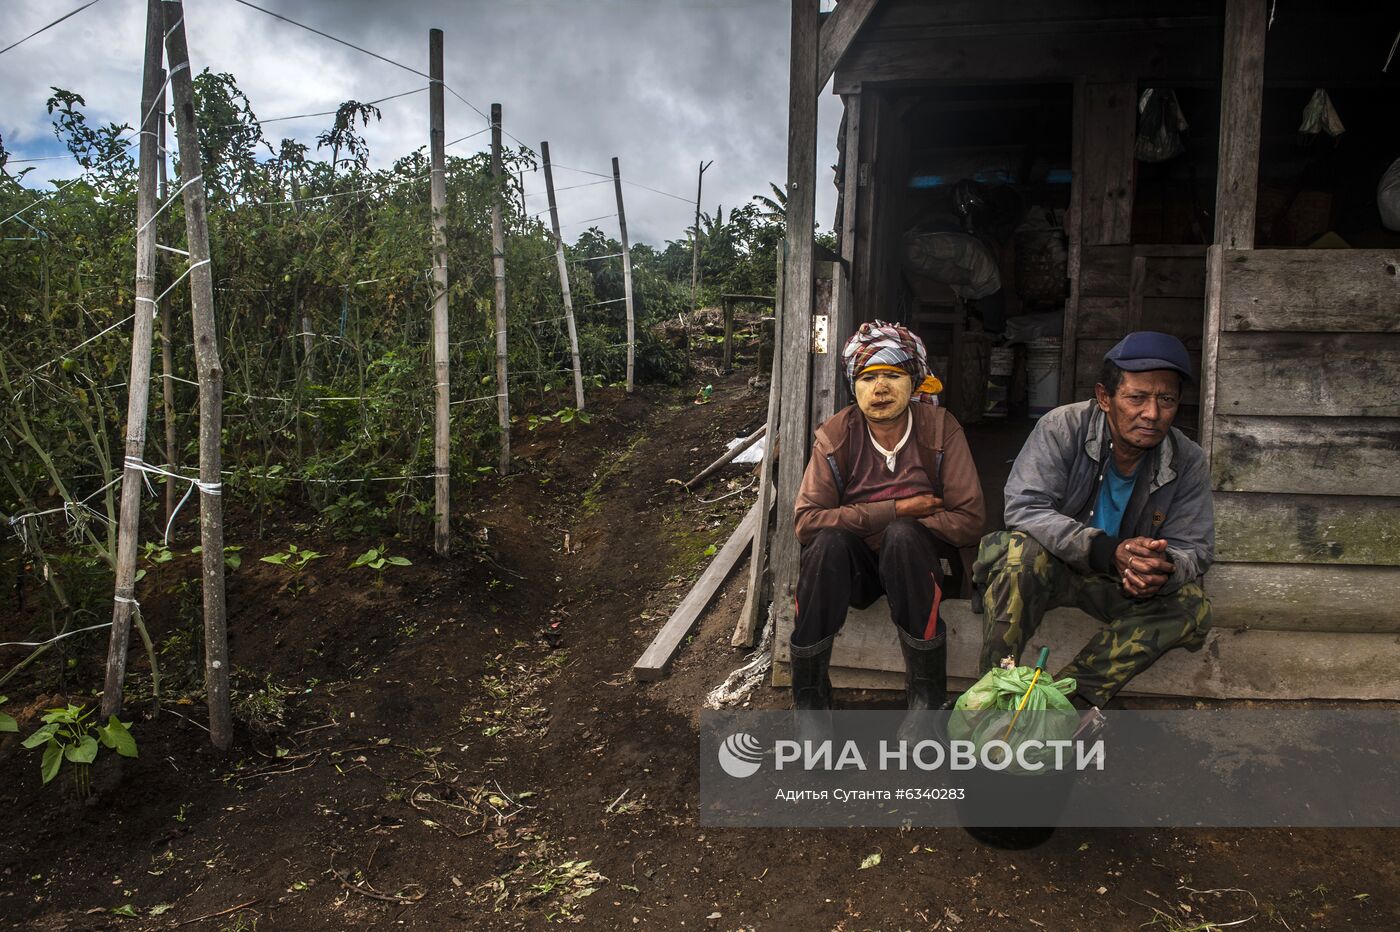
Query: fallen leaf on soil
871	860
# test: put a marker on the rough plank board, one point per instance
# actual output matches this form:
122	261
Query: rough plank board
1173	276
1234	664
827	372
1339	456
1275	528
1241	102
1107	318
1104	271
837	32
1306	598
1110	122
904	15
657	657
1343	290
1335	374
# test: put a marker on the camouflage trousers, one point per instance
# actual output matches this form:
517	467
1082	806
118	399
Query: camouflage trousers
1018	581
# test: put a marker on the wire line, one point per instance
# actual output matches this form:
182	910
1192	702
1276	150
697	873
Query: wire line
49	26
327	35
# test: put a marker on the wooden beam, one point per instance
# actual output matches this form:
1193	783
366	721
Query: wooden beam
1309	374
729	456
1355	290
1210	353
1109	128
1241	102
794	432
827	373
1074	235
655	660
1275	528
1342	455
1234	664
498	272
442	369
1122	55
837	33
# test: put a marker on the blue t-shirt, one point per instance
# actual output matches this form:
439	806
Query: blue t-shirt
1114	492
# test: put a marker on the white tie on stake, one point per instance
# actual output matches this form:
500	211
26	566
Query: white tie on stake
208	488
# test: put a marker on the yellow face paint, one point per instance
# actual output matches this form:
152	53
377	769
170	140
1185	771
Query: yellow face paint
882	392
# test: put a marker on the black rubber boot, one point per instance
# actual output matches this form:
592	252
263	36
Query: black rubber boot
811	690
925	683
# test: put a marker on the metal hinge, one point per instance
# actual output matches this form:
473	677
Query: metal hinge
819	333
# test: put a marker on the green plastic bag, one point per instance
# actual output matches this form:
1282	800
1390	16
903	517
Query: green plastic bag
986	712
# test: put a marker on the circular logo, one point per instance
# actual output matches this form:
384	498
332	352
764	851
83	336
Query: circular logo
740	755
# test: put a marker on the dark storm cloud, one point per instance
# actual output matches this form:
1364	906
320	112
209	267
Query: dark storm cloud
662	84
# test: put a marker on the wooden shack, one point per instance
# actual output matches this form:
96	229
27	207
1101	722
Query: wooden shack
1298	406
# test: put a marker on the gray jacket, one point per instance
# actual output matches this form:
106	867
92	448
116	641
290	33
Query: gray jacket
1054	487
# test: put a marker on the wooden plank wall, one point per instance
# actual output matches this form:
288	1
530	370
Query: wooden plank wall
1304	436
1126	288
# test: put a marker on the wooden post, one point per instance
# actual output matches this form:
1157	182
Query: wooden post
442	410
747	627
727	363
211	378
626	276
167	350
1241	100
498	267
563	275
138	389
695	239
796	312
1074	236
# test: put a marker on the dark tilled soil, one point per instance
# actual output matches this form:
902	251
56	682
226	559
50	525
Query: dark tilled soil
465	747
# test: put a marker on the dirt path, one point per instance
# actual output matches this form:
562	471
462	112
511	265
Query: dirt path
465	748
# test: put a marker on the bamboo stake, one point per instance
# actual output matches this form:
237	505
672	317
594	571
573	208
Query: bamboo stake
139	381
626	277
728	457
563	274
498	266
442	435
211	378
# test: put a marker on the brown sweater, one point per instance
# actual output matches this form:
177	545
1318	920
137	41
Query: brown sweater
820	505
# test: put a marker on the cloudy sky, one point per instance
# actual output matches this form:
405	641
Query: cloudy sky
661	84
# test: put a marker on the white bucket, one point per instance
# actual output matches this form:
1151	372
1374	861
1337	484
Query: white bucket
1043	375
1003	359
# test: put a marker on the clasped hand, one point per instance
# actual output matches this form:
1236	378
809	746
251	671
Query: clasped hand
1142	565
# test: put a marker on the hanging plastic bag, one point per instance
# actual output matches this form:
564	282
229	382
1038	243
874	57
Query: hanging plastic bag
988	712
1160	125
1319	116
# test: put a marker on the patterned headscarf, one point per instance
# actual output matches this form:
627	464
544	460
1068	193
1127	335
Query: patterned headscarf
879	345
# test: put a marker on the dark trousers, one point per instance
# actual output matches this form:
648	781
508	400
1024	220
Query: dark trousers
839	571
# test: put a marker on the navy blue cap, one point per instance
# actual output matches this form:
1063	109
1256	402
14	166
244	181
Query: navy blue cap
1146	349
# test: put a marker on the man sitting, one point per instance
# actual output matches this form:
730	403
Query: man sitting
886	482
1108	509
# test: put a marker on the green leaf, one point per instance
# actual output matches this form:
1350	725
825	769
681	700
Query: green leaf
276	559
84	752
126	910
711	550
871	860
140	575
116	735
53	759
400	561
44	733
7	723
233	561
160	909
